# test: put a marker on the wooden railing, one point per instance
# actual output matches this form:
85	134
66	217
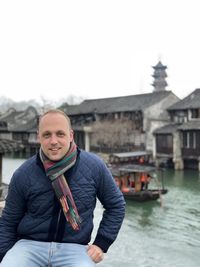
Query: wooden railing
164	150
190	152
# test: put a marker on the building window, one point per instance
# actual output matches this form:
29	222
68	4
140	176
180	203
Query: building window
189	140
164	143
20	136
195	113
165	140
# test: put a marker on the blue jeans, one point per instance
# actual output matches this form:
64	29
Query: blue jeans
29	253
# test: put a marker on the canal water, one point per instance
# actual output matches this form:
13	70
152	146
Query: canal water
163	233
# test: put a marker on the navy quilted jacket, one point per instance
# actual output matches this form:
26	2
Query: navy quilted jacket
33	212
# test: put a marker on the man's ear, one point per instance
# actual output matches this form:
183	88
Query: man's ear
38	138
71	135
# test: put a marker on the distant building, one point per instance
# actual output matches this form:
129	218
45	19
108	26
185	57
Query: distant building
160	76
178	143
121	123
21	126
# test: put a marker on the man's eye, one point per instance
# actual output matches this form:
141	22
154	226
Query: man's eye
46	135
60	134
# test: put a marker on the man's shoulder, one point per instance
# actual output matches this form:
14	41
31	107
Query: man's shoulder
22	175
28	164
90	157
91	161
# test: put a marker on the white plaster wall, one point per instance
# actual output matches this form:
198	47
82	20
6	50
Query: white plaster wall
155	117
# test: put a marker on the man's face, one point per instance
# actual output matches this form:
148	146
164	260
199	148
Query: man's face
54	135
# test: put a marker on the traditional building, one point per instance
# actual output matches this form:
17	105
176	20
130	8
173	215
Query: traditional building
178	143
21	126
121	123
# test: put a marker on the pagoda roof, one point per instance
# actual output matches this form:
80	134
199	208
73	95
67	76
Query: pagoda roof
159	65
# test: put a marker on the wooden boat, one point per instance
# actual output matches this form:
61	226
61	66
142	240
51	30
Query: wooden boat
134	180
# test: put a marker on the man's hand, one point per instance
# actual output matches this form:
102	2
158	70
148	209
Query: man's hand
95	253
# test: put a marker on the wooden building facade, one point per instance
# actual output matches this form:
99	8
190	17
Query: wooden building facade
179	141
120	124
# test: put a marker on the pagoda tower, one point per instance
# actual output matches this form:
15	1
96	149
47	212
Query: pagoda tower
159	75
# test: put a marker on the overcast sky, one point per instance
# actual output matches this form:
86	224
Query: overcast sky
97	49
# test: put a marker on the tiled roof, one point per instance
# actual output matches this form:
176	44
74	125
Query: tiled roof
190	125
167	129
20	121
171	128
10	115
26	126
116	104
9	146
159	65
191	101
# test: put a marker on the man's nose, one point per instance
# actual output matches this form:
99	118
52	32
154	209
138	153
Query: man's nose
53	139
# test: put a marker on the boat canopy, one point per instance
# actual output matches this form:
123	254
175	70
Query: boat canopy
130	154
130	157
137	168
132	168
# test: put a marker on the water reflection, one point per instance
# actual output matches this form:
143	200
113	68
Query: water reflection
188	179
165	236
142	211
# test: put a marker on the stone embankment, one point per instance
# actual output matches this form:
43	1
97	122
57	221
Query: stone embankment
3	193
2	203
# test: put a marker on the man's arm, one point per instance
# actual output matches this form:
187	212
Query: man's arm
113	202
11	216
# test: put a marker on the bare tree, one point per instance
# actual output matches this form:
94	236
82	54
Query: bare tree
113	134
46	104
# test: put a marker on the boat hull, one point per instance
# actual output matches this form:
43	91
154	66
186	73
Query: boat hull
145	195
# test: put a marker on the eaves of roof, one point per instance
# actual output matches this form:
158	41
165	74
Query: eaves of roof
116	104
171	128
190	125
24	127
9	146
10	117
167	129
191	101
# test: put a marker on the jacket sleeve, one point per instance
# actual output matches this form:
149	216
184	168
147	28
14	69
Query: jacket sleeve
113	203
11	216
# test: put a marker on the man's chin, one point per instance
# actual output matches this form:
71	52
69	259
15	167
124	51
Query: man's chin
55	157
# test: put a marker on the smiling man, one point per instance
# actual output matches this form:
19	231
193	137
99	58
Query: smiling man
48	216
55	138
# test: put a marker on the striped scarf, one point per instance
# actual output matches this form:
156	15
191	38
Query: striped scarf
55	171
